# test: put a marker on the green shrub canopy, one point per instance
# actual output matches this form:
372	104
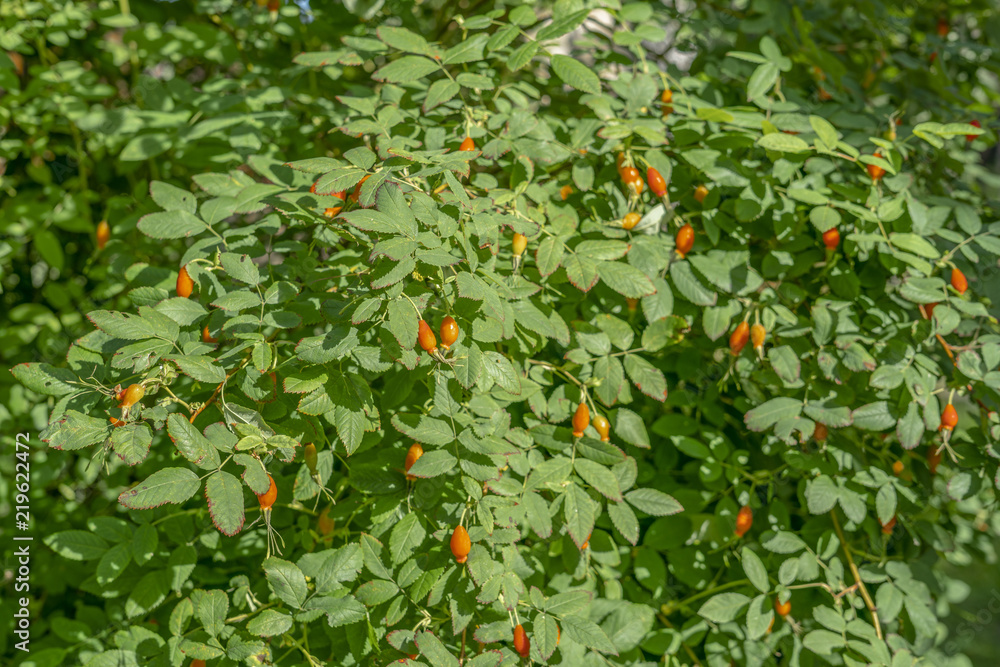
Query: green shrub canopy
719	384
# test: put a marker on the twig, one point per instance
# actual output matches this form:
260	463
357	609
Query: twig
857	577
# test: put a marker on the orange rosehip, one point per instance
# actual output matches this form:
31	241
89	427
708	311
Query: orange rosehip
630	221
889	525
565	191
949	418
103	234
632	180
684	240
783	609
958	281
657	185
467	145
460	544
739	338
206	336
521	642
449	332
414	453
700	193
426	338
744	521
184	283
874	171
897	468
580	419
831	238
267	498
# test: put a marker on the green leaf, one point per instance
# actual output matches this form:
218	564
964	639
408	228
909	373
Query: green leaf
172	198
407	535
171	225
723	607
770	413
224	494
191	443
653	502
575	74
75	430
625	279
77	544
169	485
45	379
286	581
599	477
407	68
785	143
754	569
580	514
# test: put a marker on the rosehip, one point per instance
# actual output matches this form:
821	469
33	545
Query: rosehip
311	458
325	524
267	498
357	189
565	191
929	310
744	520
426	338
657	185
602	426
467	145
684	240
630	221
580	419
888	526
518	244
949	418
521	642
103	234
739	338
757	334
132	395
972	137
206	336
449	332
184	283
820	432
632	179
933	459
874	171
897	468
831	238
700	193
414	453
782	609
958	281
460	544
667	97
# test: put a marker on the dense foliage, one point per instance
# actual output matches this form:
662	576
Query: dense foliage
569	334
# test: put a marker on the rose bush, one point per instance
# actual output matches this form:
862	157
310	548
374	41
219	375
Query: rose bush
570	335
